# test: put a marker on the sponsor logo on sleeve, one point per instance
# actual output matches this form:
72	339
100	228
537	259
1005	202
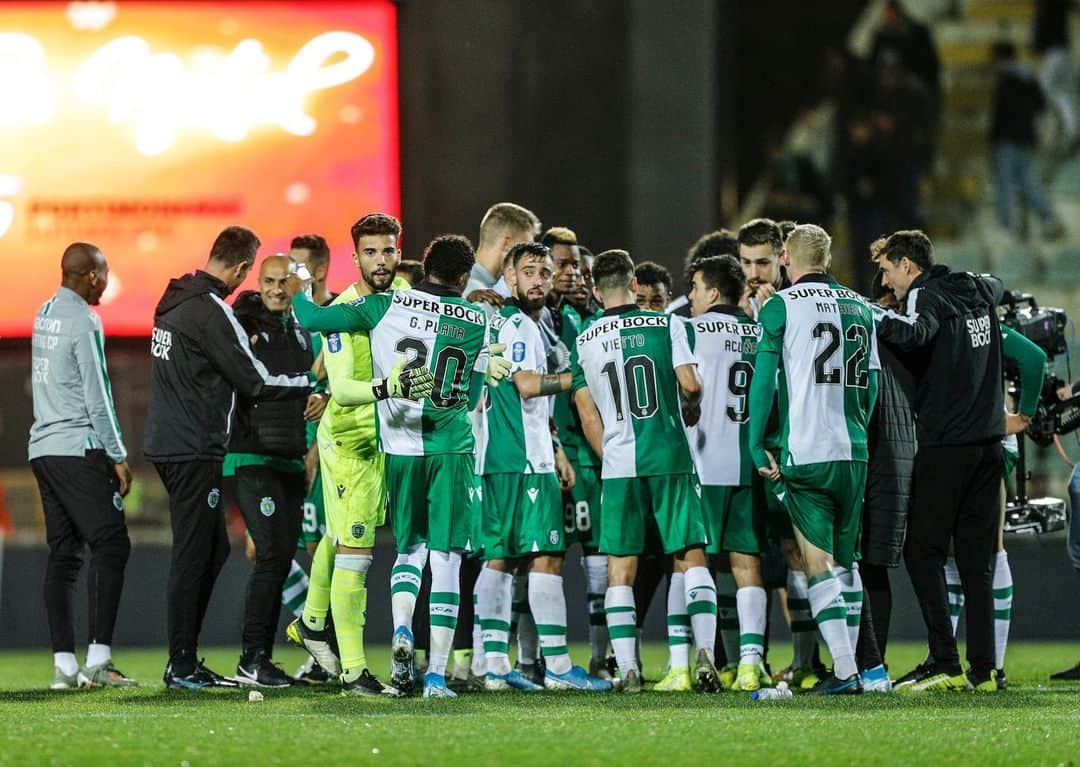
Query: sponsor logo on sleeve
519	351
333	342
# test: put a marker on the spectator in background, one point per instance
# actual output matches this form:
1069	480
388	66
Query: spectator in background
1018	99
410	270
1050	39
911	42
902	114
796	189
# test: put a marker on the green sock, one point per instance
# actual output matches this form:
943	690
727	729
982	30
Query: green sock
348	598
318	596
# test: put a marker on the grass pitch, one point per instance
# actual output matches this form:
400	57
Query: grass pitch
1034	722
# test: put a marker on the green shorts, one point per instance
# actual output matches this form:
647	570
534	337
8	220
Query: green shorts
313	525
354	492
1010	460
581	508
732	519
825	501
522	515
777	520
673	500
432	500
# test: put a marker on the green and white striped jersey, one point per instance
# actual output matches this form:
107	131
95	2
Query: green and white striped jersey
724	341
627	359
443	332
517	435
824	336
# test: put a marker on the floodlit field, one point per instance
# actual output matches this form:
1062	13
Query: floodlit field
1034	722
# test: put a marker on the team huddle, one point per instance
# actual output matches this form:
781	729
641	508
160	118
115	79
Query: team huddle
648	430
496	407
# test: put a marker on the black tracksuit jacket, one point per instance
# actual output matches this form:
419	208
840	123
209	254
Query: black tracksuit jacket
202	360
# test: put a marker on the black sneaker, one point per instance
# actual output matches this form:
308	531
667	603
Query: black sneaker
198	679
366	685
534	672
1068	675
216	679
917	674
256	669
312	673
831	685
1001	679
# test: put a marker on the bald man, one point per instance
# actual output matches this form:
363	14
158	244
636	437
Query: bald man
80	463
266	462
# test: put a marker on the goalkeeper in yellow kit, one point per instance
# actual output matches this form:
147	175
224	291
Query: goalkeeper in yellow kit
351	466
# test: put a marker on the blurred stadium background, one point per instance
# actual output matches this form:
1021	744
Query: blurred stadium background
147	127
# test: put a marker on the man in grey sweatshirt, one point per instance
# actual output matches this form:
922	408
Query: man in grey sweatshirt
80	463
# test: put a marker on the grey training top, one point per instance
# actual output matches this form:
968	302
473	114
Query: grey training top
73	404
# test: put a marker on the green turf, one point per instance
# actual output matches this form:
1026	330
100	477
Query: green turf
1035	722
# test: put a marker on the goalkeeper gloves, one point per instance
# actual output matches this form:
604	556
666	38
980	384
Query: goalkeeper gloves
405	383
498	366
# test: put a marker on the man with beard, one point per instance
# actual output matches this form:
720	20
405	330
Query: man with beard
522	511
352	471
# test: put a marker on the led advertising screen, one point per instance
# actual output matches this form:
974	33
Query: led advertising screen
147	127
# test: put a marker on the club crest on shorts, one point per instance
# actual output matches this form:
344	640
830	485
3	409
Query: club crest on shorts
118	501
267	506
358	529
213	497
553	537
519	351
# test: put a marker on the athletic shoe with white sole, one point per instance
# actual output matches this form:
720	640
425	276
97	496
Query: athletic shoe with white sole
319	645
435	687
365	685
403	661
104	675
514	680
575	679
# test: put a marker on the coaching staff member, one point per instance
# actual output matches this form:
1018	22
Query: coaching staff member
80	463
949	336
201	361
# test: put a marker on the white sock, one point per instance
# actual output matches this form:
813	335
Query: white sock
622	626
548	603
804	631
956	592
701	607
493	610
727	610
65	661
405	580
595	566
752	601
478	665
852	591
522	620
445	601
96	654
830	613
1003	596
678	623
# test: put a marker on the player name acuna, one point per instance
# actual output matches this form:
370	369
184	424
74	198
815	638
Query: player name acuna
622	323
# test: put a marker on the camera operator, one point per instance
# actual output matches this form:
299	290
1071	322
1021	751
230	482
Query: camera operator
1064	394
950	324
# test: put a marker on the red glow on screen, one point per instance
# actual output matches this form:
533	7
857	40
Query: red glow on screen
147	127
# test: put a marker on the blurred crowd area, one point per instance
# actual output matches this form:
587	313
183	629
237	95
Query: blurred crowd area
954	116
